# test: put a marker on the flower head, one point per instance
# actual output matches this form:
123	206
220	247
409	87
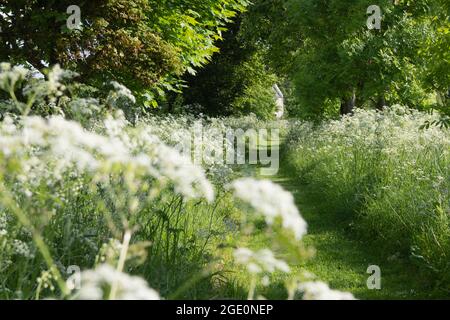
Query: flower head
260	261
272	201
321	291
95	285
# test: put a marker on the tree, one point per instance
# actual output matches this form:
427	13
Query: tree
332	57
140	43
436	51
236	81
358	65
268	26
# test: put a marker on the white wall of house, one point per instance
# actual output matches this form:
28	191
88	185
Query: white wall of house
279	101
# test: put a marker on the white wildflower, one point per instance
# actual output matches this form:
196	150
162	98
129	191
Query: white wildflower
321	291
95	285
3	225
67	144
272	201
22	249
120	91
55	75
187	178
9	76
265	281
3	221
260	261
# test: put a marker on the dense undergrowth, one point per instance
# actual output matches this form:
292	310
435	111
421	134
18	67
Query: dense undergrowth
388	176
82	189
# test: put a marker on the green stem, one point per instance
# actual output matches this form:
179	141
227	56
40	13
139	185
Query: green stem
121	263
10	203
251	292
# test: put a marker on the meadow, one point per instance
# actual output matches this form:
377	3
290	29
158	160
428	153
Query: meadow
112	198
224	149
384	177
108	209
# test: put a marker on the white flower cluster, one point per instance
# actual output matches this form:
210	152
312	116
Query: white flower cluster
321	291
120	92
193	137
3	225
168	164
95	285
60	146
187	178
393	132
9	75
46	280
260	261
55	76
272	201
22	249
209	141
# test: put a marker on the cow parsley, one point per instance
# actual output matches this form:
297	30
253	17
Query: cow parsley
22	249
272	201
260	261
321	291
65	144
95	285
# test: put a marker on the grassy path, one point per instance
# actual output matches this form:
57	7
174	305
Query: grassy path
342	260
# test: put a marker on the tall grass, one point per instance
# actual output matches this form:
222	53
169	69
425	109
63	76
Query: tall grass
387	173
86	189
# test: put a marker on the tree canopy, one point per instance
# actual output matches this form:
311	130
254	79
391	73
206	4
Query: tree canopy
322	51
330	54
140	43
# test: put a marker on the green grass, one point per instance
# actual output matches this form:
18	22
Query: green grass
341	258
342	261
184	249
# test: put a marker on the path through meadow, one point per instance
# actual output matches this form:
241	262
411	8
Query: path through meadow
340	258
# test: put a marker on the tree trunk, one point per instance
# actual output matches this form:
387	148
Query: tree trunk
348	104
381	103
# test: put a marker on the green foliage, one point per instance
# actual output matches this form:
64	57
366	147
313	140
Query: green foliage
341	55
194	26
236	82
388	177
23	94
257	96
435	50
267	25
329	54
140	43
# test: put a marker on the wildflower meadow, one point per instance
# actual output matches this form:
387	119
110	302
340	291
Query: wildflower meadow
224	150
